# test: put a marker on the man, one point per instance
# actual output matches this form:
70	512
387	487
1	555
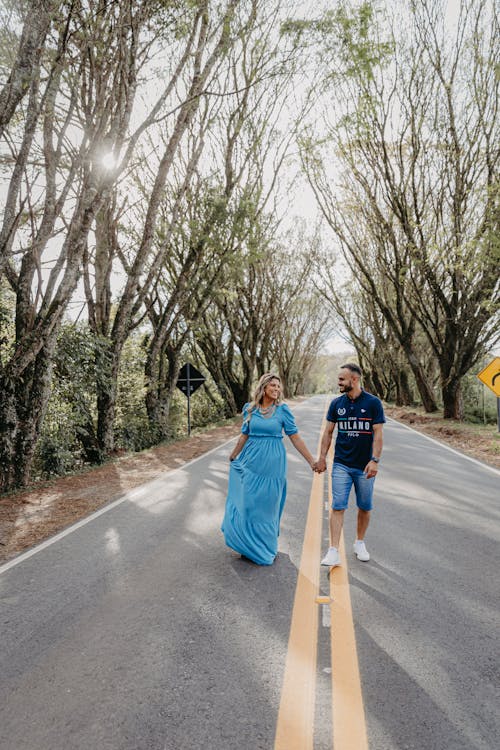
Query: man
359	417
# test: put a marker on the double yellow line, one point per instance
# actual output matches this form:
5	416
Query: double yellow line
295	726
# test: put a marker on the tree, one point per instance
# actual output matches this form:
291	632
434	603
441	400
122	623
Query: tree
382	360
217	204
144	249
417	211
73	185
304	320
455	247
235	331
57	186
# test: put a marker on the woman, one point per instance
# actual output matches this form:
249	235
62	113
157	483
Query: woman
257	475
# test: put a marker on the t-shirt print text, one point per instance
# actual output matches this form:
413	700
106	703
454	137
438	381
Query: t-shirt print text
355	426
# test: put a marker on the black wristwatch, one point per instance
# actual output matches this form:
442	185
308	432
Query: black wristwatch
377	460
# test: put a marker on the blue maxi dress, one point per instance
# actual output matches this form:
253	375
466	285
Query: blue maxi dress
257	486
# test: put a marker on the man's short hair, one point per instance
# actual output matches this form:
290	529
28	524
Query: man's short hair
352	367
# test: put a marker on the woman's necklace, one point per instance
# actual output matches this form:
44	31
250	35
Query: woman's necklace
267	411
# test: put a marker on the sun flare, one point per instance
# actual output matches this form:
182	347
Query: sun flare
109	160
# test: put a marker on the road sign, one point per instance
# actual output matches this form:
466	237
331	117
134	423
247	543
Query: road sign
190	379
188	382
490	376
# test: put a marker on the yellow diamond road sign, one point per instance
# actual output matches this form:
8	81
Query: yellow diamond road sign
491	376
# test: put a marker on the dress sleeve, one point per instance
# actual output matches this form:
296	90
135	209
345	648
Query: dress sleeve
245	427
288	421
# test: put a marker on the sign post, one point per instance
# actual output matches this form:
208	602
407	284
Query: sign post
490	376
188	382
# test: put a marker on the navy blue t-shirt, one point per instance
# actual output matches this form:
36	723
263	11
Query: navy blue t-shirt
355	420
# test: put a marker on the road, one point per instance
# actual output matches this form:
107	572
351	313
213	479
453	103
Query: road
140	630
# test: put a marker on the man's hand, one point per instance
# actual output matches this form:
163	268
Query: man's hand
371	469
320	465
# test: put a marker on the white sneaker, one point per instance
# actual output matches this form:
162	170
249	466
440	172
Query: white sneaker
332	558
360	550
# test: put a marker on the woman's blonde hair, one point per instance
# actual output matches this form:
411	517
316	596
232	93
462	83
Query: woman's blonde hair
258	394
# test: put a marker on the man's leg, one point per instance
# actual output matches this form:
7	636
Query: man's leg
336	523
364	500
363	521
341	486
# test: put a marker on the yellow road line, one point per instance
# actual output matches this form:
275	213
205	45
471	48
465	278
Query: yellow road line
295	726
349	726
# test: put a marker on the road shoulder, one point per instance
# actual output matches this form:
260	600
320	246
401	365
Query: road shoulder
30	517
478	441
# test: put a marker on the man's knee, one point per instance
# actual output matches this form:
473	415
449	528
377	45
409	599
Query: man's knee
337	515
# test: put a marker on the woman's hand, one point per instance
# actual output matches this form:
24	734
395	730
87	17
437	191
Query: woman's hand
238	447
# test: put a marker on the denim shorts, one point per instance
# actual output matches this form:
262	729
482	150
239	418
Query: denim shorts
343	477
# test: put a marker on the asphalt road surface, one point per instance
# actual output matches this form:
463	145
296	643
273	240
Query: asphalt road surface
140	630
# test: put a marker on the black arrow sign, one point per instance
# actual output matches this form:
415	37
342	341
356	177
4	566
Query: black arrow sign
189	380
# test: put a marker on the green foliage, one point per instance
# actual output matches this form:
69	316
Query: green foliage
297	27
204	411
69	422
345	39
57	452
7	329
78	365
69	425
132	428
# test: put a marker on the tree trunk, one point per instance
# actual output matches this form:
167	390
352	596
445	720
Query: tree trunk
107	364
299	386
8	433
377	387
161	384
21	416
371	382
231	408
403	391
106	402
158	410
240	392
453	404
428	399
88	440
286	389
33	396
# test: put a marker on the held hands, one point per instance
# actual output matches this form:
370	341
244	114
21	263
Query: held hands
371	469
319	466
